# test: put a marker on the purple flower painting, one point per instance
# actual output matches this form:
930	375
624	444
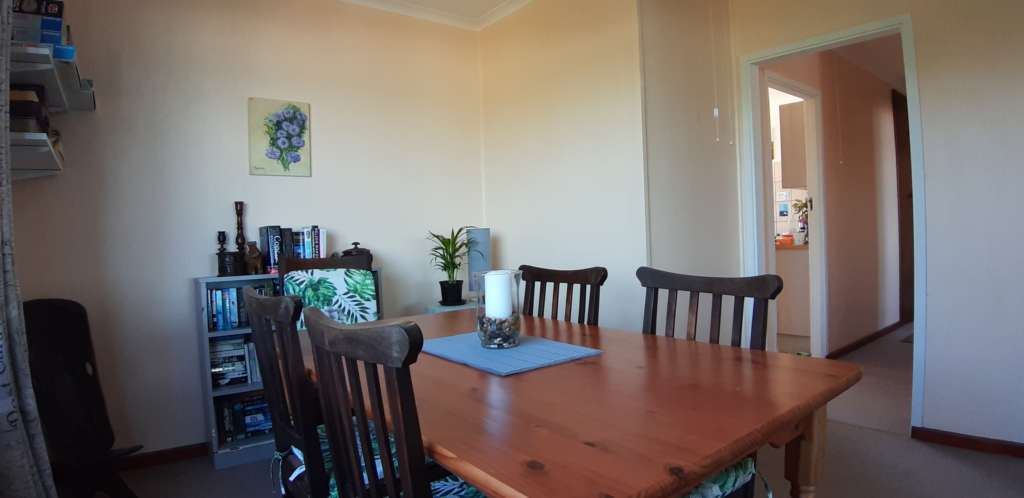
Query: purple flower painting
285	130
279	138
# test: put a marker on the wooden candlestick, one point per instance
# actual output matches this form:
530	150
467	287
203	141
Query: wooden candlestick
240	236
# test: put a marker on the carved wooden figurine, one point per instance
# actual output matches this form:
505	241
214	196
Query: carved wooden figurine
253	259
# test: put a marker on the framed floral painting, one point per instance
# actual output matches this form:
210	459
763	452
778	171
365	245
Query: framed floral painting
279	138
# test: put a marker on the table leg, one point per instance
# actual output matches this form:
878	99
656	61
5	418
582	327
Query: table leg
804	457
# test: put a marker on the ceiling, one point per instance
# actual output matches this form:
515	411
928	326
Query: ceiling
466	14
883	57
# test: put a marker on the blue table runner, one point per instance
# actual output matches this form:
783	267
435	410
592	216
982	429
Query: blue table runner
531	353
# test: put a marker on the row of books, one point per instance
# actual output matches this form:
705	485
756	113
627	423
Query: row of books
29	112
244	417
43	24
226	307
278	242
233	361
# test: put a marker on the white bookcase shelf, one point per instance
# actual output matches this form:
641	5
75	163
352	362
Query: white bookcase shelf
227	453
33	154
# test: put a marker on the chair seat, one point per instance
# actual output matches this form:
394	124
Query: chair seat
725	482
449	487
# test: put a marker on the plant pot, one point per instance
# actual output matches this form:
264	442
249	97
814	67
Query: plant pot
451	293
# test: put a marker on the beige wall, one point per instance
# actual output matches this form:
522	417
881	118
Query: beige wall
859	180
691	155
563	144
152	173
969	81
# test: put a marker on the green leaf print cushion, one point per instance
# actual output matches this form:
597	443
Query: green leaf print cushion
346	295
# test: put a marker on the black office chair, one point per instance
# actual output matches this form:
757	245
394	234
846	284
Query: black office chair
73	412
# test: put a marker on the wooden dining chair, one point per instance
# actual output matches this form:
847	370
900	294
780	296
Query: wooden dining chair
384	419
737	480
588	305
292	398
344	287
761	289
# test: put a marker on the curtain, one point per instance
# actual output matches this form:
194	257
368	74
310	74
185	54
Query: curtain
24	466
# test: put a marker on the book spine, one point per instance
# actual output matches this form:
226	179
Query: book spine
248	366
233	298
254	375
211	311
322	238
287	244
218	299
265	246
316	241
275	248
243	316
297	243
307	242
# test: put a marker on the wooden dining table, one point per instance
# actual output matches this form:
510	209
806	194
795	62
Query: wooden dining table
651	416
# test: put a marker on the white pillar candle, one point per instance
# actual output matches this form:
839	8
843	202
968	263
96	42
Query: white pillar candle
498	294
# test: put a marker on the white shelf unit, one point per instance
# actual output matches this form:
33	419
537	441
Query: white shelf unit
227	453
33	154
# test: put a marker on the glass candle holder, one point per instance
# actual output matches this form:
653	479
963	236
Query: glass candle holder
498	313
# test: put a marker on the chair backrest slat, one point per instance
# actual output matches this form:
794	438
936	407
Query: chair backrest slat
362	429
670	313
650	311
568	302
528	298
541	301
555	294
289	393
357	408
716	318
691	316
761	289
589	304
377	406
759	322
582	305
737	321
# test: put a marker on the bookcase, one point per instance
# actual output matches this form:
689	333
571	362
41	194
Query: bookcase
230	441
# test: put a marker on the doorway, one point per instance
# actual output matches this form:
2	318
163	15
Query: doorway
898	259
794	170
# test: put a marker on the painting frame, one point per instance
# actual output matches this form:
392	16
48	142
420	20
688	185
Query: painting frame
279	138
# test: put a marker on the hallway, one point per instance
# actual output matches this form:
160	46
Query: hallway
881	400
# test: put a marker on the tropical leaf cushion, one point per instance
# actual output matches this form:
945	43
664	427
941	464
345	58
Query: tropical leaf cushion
346	295
448	487
726	481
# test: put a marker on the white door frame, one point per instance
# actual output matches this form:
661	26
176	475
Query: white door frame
755	252
817	263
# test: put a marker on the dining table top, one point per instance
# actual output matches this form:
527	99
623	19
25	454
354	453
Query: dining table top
651	416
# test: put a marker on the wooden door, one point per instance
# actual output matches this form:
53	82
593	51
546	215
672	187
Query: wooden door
905	205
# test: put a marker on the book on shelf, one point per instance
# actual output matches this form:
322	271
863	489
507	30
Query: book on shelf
229	362
245	416
278	242
254	365
226	306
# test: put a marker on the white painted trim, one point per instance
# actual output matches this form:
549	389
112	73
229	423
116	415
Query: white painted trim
649	236
750	156
500	12
442	17
817	252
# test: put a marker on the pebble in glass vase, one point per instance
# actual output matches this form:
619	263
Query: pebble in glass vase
497	309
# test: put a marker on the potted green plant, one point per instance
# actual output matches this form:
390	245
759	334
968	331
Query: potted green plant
447	255
802	208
